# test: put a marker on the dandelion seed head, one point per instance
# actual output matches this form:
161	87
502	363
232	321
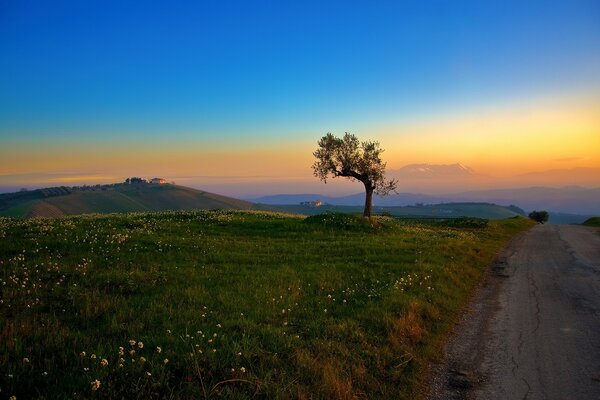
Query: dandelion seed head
95	385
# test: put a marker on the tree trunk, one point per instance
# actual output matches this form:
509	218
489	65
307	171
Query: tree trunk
368	201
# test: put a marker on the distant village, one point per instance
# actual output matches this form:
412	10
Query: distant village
156	181
315	203
25	193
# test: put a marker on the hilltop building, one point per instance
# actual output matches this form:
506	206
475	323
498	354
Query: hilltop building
136	179
156	181
316	203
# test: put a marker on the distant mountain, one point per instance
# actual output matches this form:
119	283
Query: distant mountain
396	199
431	171
291	198
400	199
572	200
61	201
423	178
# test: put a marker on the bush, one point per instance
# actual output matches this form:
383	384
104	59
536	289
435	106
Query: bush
594	221
539	216
340	221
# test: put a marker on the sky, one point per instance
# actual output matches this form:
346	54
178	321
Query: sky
232	96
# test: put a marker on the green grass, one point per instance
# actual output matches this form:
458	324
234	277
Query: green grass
594	221
242	304
118	198
140	198
451	210
18	210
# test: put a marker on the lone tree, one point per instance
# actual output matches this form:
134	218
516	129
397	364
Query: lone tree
355	160
539	216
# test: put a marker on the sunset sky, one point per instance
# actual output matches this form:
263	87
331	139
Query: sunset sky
233	96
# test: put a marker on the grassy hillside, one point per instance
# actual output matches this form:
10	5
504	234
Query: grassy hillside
562	218
449	210
594	221
114	198
231	304
121	198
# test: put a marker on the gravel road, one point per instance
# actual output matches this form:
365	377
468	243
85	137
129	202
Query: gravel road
533	329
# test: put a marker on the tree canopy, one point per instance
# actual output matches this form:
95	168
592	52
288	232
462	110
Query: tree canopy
355	160
539	216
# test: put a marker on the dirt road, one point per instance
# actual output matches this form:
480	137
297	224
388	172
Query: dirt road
533	331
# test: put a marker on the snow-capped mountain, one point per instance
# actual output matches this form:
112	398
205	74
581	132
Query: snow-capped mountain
432	171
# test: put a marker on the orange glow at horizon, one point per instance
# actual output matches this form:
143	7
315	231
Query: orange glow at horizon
500	143
503	144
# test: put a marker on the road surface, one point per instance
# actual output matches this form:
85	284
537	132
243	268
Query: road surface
533	330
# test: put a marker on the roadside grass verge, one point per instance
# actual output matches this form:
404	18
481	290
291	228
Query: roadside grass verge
594	221
231	304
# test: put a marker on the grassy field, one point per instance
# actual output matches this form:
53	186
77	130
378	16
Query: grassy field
594	221
115	198
231	304
124	198
448	210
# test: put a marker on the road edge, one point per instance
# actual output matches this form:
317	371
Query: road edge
457	374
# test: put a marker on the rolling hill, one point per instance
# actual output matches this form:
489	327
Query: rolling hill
120	198
577	201
444	210
357	199
572	200
142	197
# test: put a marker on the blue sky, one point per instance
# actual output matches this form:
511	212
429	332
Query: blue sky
79	69
260	75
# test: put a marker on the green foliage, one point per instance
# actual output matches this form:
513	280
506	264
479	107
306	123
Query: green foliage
342	221
594	221
358	161
539	216
230	304
465	222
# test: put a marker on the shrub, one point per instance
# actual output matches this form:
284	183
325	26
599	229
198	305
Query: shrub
594	221
539	216
340	221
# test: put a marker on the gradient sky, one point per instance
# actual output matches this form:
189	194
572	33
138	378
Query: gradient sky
237	93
